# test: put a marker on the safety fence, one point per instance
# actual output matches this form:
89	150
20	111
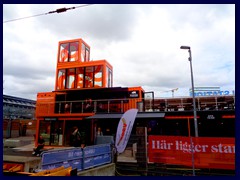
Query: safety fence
79	158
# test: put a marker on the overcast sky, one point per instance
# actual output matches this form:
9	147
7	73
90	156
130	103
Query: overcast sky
141	41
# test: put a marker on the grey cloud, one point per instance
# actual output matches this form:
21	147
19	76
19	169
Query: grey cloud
10	12
27	88
106	22
200	16
21	65
28	72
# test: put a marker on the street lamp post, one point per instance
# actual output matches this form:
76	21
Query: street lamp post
193	94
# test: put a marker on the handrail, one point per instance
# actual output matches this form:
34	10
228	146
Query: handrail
144	105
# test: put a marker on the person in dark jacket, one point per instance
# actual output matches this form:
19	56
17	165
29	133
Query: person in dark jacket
40	146
75	137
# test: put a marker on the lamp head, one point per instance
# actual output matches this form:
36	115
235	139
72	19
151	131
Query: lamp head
185	47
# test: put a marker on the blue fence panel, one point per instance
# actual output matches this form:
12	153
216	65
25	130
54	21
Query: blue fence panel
96	155
96	150
77	163
102	149
88	157
52	166
63	157
89	151
102	159
88	162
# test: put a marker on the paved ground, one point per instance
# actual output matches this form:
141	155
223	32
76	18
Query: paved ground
12	152
25	150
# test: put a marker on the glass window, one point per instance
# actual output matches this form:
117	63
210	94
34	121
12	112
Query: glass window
109	77
61	79
79	77
52	132
69	52
63	55
98	76
89	77
106	78
87	54
70	78
83	53
74	51
44	131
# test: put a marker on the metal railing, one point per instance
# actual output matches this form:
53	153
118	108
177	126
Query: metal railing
83	106
186	104
143	105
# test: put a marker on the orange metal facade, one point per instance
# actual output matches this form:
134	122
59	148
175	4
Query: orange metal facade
82	88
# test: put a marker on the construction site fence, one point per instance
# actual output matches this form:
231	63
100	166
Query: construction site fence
78	158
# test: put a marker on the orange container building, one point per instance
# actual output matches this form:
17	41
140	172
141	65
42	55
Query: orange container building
84	96
82	88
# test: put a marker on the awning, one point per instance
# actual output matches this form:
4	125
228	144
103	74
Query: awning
151	115
119	115
105	116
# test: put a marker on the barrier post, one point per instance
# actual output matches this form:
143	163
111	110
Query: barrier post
193	166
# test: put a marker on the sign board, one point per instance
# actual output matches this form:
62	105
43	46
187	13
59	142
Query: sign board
212	153
211	93
133	94
50	119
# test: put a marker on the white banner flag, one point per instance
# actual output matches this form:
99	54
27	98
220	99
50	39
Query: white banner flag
124	129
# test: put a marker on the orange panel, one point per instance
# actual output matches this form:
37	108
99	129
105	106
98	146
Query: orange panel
45	103
228	116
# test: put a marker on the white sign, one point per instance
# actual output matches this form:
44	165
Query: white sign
124	129
211	93
210	116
